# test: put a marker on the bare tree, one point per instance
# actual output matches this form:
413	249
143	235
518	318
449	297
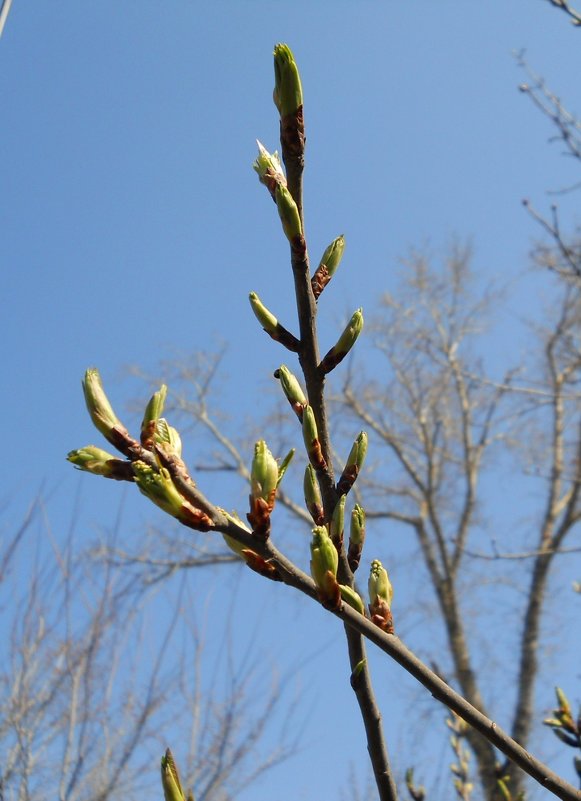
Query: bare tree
88	698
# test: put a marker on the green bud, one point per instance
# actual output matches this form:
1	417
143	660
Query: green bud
354	463
266	318
328	265
153	412
288	213
264	473
103	417
311	439
357	529
345	342
379	585
168	437
324	558
271	325
100	463
313	500
157	485
292	390
170	780
269	169
338	522
352	598
288	92
333	255
356	536
562	700
283	467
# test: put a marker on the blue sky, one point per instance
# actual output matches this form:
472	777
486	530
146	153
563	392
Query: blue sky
133	226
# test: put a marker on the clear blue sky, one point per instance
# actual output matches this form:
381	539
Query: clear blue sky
132	224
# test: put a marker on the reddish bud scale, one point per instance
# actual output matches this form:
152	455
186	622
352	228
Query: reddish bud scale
330	593
348	478
354	555
194	518
320	280
259	515
260	565
332	359
381	615
280	334
292	137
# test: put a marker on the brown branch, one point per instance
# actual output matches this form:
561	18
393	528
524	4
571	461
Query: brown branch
394	647
575	16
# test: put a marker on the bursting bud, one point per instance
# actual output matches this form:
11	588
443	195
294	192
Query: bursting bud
153	412
356	536
328	265
313	499
157	485
324	564
345	342
170	780
379	585
380	595
354	463
103	417
100	463
264	473
292	390
269	169
311	439
338	522
168	438
288	92
288	213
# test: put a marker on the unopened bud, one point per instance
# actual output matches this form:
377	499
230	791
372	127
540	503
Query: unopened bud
356	536
345	342
170	780
265	317
313	500
288	213
271	325
311	439
104	418
338	522
292	390
328	265
288	92
264	472
100	463
354	463
324	564
352	598
263	483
